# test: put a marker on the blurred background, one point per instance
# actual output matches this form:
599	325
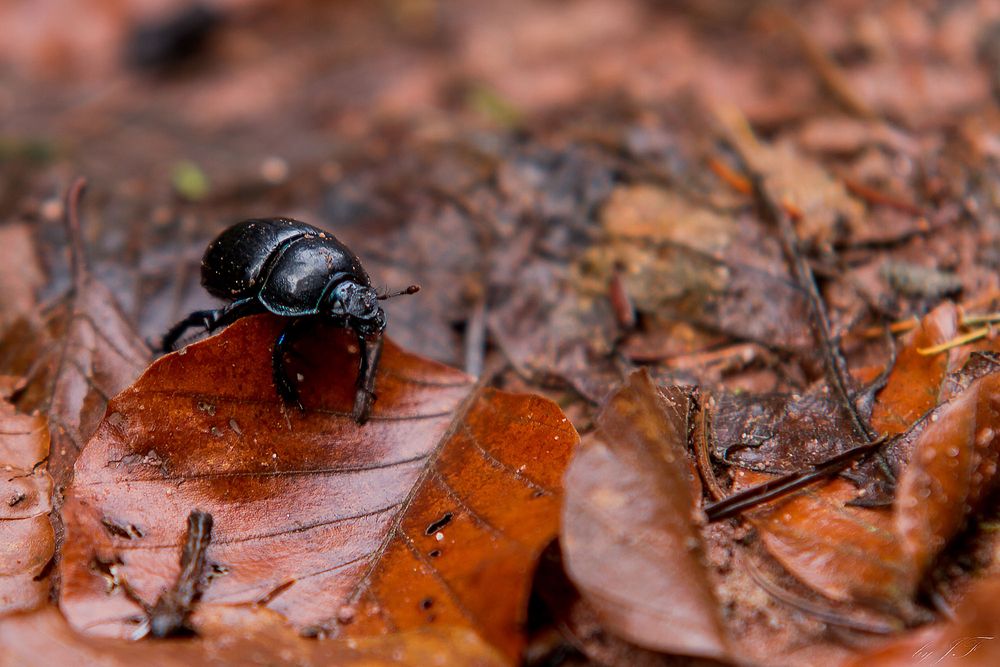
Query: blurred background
426	133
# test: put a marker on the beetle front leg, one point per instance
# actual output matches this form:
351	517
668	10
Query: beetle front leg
287	388
371	352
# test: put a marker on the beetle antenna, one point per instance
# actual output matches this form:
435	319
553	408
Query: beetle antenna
412	289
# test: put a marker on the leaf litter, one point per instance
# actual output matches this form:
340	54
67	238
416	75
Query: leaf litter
25	502
625	231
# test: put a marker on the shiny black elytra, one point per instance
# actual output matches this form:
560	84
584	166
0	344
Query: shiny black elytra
295	270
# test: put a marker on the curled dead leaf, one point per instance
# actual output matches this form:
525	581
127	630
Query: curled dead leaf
914	384
629	533
953	466
73	356
842	551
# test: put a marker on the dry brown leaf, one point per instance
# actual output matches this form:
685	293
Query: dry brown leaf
952	467
235	636
677	281
824	210
449	490
914	385
879	556
776	432
74	357
629	533
971	639
646	212
19	280
842	551
26	537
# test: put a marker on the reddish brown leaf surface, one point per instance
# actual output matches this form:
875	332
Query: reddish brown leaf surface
841	551
18	280
235	636
777	432
877	555
448	491
821	205
26	538
629	532
952	467
971	639
914	384
74	356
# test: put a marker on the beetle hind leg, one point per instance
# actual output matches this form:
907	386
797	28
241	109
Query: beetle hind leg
199	318
209	320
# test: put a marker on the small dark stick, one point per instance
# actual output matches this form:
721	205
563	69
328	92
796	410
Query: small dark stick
168	617
754	496
621	302
77	258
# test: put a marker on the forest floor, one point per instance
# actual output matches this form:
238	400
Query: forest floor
701	370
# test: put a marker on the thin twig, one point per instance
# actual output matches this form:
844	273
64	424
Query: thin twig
828	616
829	73
781	486
704	461
168	617
475	337
77	256
833	362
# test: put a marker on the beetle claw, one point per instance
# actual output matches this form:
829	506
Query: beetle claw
363	401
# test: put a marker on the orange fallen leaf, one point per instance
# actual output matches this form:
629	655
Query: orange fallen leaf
914	384
450	489
235	636
952	468
842	551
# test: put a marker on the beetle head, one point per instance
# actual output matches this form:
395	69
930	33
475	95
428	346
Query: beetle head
358	304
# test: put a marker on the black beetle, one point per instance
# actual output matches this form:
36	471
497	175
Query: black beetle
295	270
